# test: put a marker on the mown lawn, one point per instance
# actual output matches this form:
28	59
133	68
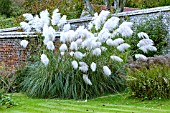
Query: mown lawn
119	103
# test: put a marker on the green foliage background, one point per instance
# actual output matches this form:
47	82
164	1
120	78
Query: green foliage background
5	7
147	3
71	8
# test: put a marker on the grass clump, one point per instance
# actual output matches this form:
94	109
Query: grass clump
60	80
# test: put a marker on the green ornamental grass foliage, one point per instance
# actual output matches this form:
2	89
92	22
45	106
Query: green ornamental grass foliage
60	80
89	63
150	83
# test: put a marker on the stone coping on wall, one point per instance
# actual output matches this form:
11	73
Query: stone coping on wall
20	35
9	29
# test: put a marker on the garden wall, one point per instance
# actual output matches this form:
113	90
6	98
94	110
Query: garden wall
137	16
12	54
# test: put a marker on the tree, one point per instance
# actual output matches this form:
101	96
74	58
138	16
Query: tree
118	5
5	7
88	6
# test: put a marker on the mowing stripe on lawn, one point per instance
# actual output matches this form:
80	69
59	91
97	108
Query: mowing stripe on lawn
91	107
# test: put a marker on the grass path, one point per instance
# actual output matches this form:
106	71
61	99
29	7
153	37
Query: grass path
119	103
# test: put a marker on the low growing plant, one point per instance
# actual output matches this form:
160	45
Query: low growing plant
6	100
150	83
7	78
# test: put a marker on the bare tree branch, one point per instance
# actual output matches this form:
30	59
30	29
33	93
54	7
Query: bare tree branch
88	6
119	5
107	3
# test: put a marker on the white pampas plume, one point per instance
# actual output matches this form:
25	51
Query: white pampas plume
48	33
116	58
109	42
86	79
147	48
44	15
24	43
28	16
37	24
62	53
107	71
143	35
83	67
90	26
140	56
63	48
145	42
103	48
71	53
74	64
62	21
25	26
50	45
44	59
66	27
103	16
79	41
129	24
73	46
103	35
111	23
117	42
96	51
125	31
93	66
55	17
78	55
123	47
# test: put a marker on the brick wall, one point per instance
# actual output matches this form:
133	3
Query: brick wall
12	54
